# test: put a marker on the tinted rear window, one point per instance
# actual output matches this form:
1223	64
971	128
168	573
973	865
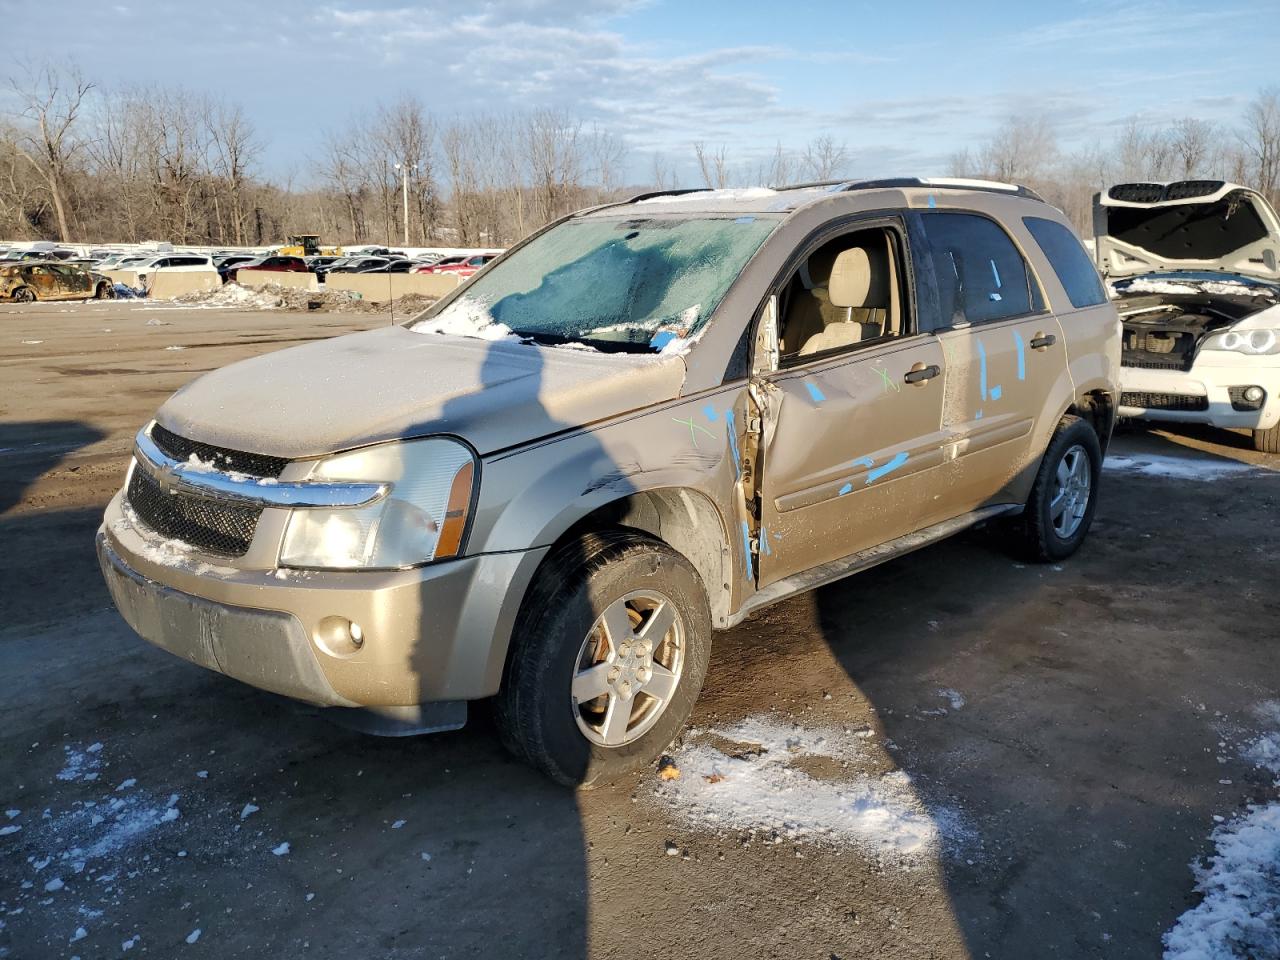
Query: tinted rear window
980	273
1069	260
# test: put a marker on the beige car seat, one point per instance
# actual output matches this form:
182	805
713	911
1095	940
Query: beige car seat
862	293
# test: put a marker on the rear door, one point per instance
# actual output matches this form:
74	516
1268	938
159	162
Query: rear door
851	436
1006	360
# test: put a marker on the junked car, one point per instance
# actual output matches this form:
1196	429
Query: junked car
28	280
1193	265
640	425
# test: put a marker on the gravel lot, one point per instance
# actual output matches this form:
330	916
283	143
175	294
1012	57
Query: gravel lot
951	755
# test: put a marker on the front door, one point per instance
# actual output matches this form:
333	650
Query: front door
852	428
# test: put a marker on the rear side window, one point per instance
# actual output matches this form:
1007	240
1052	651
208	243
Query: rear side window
1069	260
981	275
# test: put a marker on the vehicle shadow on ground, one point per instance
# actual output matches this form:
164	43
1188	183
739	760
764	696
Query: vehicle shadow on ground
29	450
1045	714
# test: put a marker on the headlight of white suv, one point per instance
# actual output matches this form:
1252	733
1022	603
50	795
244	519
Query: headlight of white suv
1255	343
423	518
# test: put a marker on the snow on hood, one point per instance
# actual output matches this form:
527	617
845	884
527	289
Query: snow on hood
392	383
1193	225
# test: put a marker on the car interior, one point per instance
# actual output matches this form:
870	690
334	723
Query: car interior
846	292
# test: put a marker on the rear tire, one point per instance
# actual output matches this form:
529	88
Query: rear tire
24	295
582	630
1060	509
1267	441
104	291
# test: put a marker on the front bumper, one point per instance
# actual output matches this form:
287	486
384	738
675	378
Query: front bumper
1210	382
435	633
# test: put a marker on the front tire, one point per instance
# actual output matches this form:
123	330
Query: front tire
1267	441
607	658
104	291
1060	509
24	295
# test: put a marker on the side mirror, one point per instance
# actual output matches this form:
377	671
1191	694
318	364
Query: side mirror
768	354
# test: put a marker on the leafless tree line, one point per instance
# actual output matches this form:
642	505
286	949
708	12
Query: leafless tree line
1025	149
80	163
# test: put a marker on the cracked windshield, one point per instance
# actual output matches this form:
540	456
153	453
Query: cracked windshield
632	285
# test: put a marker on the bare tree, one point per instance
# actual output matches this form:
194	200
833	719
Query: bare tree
1192	142
824	158
1022	149
51	102
1261	137
714	167
662	177
235	148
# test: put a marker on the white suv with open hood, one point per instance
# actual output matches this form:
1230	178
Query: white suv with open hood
1193	268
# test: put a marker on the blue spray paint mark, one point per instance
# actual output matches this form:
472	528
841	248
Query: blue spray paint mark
997	392
847	488
982	369
933	201
1022	355
731	426
745	220
746	550
995	273
661	339
710	412
765	549
978	416
863	461
814	392
898	460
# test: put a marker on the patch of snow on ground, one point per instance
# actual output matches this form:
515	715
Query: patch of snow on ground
1240	914
750	777
1182	468
1239	917
80	764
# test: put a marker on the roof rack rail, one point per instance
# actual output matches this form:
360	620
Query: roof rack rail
944	183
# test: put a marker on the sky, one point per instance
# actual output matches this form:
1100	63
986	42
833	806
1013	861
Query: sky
904	85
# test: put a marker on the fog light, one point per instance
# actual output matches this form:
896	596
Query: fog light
339	637
1253	394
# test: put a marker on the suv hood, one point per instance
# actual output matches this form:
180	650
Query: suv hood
390	383
1186	225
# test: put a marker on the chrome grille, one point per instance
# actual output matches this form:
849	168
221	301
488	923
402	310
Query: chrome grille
210	526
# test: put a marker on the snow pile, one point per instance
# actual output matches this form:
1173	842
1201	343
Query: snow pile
1239	917
753	777
466	317
234	295
1182	468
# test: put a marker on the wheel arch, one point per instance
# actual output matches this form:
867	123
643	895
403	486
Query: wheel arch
683	518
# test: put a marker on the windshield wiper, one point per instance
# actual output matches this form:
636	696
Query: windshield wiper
604	346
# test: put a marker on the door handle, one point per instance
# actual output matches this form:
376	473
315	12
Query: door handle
1041	341
920	374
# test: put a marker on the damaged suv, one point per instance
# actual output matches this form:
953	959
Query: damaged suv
1193	265
640	425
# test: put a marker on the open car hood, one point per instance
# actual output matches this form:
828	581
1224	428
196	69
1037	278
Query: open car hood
390	383
1203	225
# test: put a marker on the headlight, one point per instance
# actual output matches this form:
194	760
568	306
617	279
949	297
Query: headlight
1252	342
422	519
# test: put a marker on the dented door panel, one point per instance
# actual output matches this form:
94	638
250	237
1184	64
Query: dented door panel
850	448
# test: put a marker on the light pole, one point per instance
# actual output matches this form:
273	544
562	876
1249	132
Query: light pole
404	183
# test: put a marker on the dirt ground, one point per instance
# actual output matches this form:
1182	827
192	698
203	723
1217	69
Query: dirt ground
1069	732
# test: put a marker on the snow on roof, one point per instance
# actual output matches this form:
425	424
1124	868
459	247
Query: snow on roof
737	200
